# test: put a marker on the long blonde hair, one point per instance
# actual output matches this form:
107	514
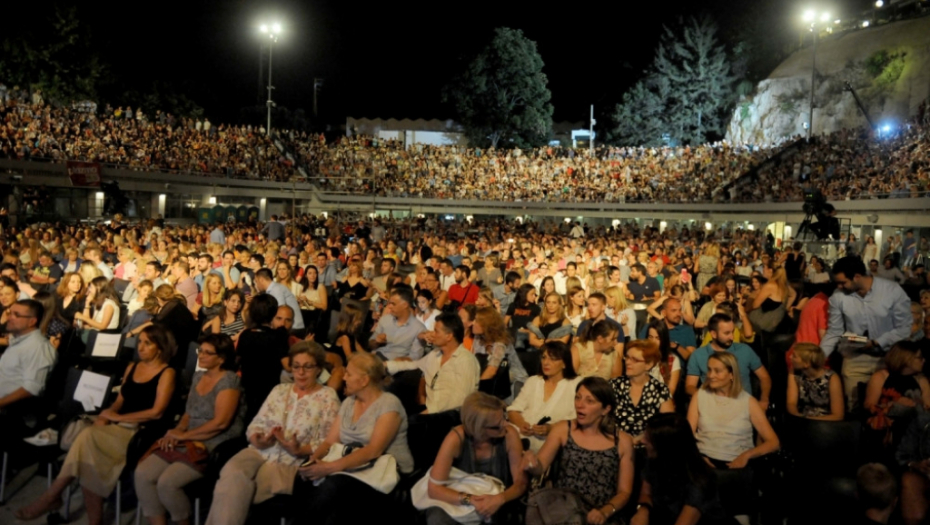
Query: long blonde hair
208	298
728	360
615	295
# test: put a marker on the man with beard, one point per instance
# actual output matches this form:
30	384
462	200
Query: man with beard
875	310
721	331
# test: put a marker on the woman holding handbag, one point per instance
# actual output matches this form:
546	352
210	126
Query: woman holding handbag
594	477
212	416
484	443
98	454
371	425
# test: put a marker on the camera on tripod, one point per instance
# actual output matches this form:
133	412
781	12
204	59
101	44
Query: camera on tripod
816	206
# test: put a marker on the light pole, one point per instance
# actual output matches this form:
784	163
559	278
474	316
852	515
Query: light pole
813	18
272	32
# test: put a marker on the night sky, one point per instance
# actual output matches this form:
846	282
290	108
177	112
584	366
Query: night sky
391	59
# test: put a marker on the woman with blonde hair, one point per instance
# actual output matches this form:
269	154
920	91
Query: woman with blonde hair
210	300
284	274
374	422
126	269
723	417
770	304
549	322
706	265
814	391
89	272
484	443
619	310
354	285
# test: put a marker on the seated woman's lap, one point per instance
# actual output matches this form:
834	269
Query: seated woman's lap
339	499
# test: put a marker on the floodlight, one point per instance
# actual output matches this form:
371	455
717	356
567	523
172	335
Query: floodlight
263	28
809	15
825	17
276	28
865	24
879	3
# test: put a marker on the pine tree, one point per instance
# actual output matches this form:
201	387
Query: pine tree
502	98
700	82
685	94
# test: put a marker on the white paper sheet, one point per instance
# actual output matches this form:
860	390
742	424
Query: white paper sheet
106	345
91	390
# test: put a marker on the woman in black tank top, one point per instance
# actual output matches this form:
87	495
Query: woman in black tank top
98	454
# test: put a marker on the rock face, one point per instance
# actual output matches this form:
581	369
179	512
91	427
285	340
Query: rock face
888	66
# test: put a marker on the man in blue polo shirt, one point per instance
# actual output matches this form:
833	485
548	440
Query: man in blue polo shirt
721	331
680	334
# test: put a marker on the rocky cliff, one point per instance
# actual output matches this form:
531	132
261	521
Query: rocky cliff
888	66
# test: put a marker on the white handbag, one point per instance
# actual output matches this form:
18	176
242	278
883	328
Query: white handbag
459	481
380	475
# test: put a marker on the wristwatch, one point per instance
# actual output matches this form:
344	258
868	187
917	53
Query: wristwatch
464	498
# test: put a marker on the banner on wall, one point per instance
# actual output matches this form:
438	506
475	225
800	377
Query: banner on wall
83	174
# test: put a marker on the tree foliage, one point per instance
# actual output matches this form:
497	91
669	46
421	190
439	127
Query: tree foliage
55	56
685	94
502	98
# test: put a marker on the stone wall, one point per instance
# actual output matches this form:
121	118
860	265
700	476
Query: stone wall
888	66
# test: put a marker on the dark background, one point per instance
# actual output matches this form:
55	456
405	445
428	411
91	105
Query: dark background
391	59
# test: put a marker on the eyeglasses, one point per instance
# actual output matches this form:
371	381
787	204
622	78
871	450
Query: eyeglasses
200	350
14	313
303	367
635	360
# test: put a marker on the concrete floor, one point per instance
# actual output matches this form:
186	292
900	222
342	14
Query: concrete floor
33	485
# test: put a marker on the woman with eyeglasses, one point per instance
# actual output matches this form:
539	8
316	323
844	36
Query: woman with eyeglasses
639	395
293	421
98	454
595	458
484	443
212	416
374	422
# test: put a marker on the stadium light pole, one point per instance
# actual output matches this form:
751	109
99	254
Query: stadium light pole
271	31
813	18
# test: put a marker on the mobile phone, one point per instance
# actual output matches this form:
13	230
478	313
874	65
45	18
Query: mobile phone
544	420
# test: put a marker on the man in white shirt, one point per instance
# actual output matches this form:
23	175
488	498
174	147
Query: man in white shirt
450	371
446	275
95	256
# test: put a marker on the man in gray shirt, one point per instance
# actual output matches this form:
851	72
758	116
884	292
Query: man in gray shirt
24	366
866	306
273	230
396	334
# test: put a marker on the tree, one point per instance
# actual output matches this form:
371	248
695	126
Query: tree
698	72
54	55
640	118
502	98
685	94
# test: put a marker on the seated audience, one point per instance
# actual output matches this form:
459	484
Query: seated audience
877	492
723	417
70	292
668	369
291	424
101	310
98	454
814	391
594	351
679	487
450	372
229	321
551	324
595	458
546	398
374	423
639	395
897	393
494	349
212	416
484	443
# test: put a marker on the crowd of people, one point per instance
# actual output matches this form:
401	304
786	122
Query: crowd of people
629	370
849	164
31	129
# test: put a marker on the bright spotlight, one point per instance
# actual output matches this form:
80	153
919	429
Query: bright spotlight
276	28
837	21
879	3
809	15
886	128
865	24
825	17
263	28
